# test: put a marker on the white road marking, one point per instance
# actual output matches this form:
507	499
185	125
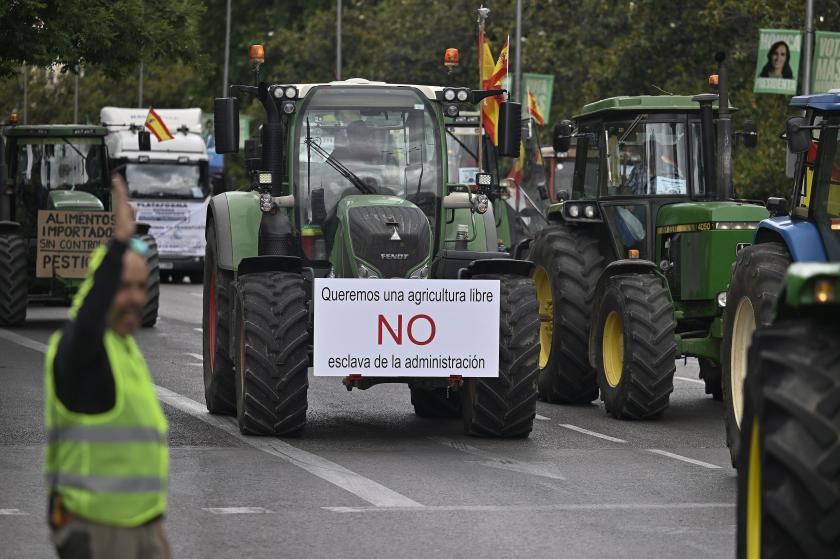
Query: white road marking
195	356
198	330
694	380
197	294
543	418
366	489
196	364
13	512
684	458
592	433
237	510
545	508
544	469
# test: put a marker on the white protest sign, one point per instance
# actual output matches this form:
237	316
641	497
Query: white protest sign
406	328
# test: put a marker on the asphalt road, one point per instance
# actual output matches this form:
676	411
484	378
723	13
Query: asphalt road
369	479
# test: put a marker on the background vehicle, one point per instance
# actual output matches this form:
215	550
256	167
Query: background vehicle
54	168
341	169
168	185
633	272
788	482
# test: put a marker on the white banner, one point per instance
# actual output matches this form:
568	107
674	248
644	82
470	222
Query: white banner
177	225
406	328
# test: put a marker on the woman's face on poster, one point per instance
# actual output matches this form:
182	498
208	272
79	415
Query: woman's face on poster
778	58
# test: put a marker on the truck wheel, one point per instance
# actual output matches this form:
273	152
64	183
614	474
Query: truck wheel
789	472
437	402
568	265
710	374
271	338
13	280
150	311
219	391
635	346
196	277
750	300
506	406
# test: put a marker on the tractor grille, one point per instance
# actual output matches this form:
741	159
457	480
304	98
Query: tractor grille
372	235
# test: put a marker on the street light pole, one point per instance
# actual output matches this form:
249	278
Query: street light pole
517	72
140	78
338	40
25	95
808	50
227	52
76	97
483	14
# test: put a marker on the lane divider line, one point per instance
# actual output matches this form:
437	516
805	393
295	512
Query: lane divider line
197	294
684	458
694	380
196	356
592	433
545	508
237	510
13	512
543	418
541	469
199	330
366	489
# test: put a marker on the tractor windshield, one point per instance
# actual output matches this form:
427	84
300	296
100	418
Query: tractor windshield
57	163
647	159
827	202
387	137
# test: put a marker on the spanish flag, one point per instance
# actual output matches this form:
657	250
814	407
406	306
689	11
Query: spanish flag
157	126
492	76
534	108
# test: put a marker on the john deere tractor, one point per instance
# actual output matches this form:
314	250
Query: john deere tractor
351	181
632	273
58	174
785	299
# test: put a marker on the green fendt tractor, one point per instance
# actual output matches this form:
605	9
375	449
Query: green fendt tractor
785	299
53	177
351	181
633	272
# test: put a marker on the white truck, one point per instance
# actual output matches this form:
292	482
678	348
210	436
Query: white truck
169	185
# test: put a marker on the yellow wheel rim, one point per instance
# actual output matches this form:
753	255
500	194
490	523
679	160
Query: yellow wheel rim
742	332
754	496
546	310
612	349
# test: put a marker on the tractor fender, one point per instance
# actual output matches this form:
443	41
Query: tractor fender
235	218
625	266
801	237
497	266
257	264
9	227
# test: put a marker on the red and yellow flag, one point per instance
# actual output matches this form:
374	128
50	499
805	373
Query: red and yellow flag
534	108
492	76
157	126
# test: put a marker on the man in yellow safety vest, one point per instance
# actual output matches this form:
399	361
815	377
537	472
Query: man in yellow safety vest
107	458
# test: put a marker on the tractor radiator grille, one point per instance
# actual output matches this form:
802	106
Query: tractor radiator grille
373	237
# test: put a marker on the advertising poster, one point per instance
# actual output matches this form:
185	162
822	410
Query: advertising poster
777	67
826	74
542	86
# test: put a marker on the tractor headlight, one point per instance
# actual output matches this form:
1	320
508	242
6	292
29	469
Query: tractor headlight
589	212
824	291
721	299
482	204
278	92
420	273
266	203
463	95
288	107
451	110
367	273
449	94
291	92
574	211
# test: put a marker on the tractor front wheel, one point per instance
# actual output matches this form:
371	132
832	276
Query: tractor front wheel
13	280
271	358
150	311
635	346
506	406
789	472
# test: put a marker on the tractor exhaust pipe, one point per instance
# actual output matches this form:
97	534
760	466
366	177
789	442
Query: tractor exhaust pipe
724	133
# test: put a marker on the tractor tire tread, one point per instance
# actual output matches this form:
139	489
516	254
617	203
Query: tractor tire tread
14	276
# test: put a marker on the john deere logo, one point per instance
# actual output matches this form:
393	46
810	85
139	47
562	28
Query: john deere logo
393	256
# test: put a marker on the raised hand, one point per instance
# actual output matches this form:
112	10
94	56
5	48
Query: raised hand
123	213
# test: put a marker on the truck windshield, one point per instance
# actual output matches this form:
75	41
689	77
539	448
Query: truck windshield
60	163
387	138
165	180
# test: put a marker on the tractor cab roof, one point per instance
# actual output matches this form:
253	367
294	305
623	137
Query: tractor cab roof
821	101
624	105
55	130
429	91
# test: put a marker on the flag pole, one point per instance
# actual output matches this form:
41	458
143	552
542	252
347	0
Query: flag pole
483	13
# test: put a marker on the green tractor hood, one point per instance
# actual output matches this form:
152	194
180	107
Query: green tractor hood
702	213
74	200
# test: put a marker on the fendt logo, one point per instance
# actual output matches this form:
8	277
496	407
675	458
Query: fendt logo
393	256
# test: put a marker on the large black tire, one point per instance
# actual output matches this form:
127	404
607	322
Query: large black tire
710	374
13	280
789	470
219	379
756	280
435	402
635	323
271	358
506	406
150	311
569	264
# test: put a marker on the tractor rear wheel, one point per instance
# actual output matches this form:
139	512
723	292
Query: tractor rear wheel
789	472
506	406
271	339
750	302
13	280
150	311
435	402
568	265
635	346
219	391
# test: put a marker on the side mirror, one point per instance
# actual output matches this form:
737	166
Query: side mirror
777	206
226	124
562	138
510	129
750	135
144	140
563	195
798	137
